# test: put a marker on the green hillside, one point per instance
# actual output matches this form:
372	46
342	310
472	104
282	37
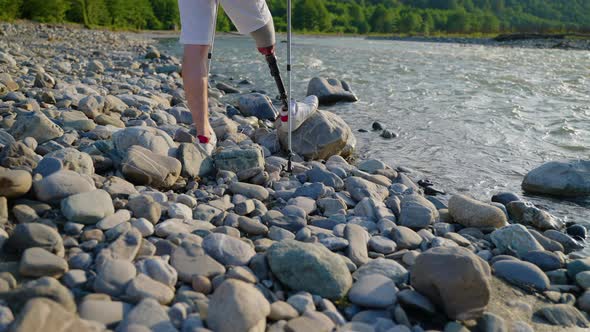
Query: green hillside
332	16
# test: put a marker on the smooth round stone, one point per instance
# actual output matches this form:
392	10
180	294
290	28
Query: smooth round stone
48	166
583	279
281	310
584	301
181	211
26	236
158	269
80	261
505	197
237	306
545	260
302	302
106	312
412	299
373	291
228	250
88	208
201	284
382	245
577	231
15	183
522	274
405	238
578	265
334	243
113	220
189	259
113	275
144	226
75	278
142	287
38	262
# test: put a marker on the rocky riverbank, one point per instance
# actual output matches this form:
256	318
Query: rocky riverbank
112	219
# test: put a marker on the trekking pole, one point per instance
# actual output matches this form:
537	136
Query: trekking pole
290	156
210	54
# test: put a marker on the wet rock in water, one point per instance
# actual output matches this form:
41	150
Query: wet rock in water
235	159
89	207
237	306
38	262
142	166
417	212
258	105
577	266
149	314
440	272
528	214
226	88
43	314
37	126
330	90
31	235
388	134
559	178
577	231
522	274
319	271
505	197
563	315
515	239
472	213
377	126
373	291
227	249
14	183
321	136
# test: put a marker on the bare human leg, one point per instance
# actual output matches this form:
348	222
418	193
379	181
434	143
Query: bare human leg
195	76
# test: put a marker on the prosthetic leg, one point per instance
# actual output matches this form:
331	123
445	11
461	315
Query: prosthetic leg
265	43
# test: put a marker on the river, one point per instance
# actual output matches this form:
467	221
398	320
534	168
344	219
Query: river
471	118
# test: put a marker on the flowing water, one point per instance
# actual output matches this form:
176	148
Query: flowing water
471	118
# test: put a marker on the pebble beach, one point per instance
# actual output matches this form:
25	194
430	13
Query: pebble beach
112	219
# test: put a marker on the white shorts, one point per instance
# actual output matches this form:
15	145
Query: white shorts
197	18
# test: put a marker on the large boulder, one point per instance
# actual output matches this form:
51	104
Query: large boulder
472	213
235	159
258	105
330	90
237	306
559	178
153	139
527	214
321	136
36	125
145	167
317	270
455	279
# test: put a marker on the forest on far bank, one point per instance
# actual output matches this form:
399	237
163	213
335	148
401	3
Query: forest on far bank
423	17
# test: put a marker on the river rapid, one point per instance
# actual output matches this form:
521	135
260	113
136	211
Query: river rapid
471	118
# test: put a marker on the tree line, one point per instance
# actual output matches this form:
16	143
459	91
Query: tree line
331	16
